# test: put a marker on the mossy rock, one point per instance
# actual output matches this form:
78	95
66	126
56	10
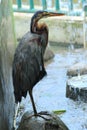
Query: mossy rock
38	123
48	54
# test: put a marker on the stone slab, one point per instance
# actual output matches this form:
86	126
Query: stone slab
77	68
76	88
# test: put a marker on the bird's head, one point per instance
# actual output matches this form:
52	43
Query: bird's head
44	14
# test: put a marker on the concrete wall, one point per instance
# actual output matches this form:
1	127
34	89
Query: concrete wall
62	30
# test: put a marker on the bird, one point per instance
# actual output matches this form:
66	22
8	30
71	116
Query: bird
28	62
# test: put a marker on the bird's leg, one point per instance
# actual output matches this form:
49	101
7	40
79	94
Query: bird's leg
35	111
33	104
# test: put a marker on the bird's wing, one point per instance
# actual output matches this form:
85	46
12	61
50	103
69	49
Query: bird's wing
28	66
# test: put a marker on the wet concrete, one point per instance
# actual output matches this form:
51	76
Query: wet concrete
50	92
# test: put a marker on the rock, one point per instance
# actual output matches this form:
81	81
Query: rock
48	54
33	123
76	88
77	68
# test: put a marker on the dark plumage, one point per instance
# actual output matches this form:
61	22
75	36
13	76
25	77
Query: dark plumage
28	64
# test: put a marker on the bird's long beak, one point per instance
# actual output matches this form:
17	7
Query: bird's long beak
50	14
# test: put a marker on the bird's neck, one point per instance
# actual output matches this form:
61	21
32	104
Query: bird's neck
33	26
38	28
42	30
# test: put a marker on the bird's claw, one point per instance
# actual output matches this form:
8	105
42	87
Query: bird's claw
44	113
40	114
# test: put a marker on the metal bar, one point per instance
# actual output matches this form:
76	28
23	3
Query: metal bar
71	5
24	10
84	24
83	1
31	2
18	3
84	30
44	7
57	6
44	4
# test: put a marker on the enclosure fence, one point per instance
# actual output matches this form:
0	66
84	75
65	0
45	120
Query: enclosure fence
70	7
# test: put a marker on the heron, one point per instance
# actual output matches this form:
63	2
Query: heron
28	63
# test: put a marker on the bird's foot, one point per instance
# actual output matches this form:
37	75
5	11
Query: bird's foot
43	114
46	113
